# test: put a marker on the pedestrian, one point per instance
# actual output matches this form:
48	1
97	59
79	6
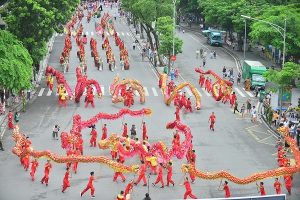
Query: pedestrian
1	145
17	117
104	132
34	166
277	186
55	132
169	174
253	115
66	182
47	170
212	120
261	188
256	91
204	61
236	107
147	197
288	180
128	190
233	99
188	106
159	176
197	53
188	189
90	186
133	132
211	55
298	135
215	54
239	76
90	99
243	108
224	72
226	189
248	103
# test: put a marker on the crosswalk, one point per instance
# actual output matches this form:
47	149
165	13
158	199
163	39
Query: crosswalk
150	92
93	33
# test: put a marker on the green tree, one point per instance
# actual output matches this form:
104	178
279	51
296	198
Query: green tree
165	27
15	63
268	35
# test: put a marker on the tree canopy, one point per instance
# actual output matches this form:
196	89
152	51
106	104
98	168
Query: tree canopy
15	63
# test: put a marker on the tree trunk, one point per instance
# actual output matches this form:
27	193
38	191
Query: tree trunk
142	31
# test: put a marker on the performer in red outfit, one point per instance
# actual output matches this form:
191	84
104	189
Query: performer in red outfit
90	186
128	189
104	132
188	106
159	176
48	167
26	162
169	174
232	99
125	130
145	136
192	176
34	166
10	120
93	139
261	188
177	99
226	189
277	186
177	113
288	183
188	189
212	120
118	173
90	99
77	152
182	101
142	171
66	182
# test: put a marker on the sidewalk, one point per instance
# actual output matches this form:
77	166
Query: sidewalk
254	54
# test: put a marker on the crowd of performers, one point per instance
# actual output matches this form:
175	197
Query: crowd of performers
148	164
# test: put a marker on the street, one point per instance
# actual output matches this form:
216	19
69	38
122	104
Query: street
237	145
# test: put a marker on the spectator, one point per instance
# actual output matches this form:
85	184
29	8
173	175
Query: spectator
253	115
286	123
224	72
248	106
292	130
147	197
55	132
133	132
298	135
275	118
243	108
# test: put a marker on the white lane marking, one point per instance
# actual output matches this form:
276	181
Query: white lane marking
49	92
239	91
199	92
154	91
102	90
136	93
128	34
92	33
123	34
154	72
146	91
87	33
188	91
207	94
249	93
41	92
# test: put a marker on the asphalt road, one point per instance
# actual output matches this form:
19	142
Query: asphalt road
237	145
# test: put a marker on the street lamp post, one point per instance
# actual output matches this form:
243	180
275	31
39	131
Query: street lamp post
174	24
282	31
279	29
245	39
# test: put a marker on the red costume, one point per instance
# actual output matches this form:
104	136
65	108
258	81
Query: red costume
188	106
75	164
169	175
288	183
89	186
10	120
177	113
177	99
188	190
26	162
262	190
201	80
104	133
45	179
118	173
124	134
212	119
128	188
277	186
93	138
142	171
145	137
34	165
232	100
66	182
90	99
227	191
160	177
182	101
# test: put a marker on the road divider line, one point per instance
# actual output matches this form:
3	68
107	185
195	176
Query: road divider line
49	92
41	92
154	92
146	91
239	91
206	93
